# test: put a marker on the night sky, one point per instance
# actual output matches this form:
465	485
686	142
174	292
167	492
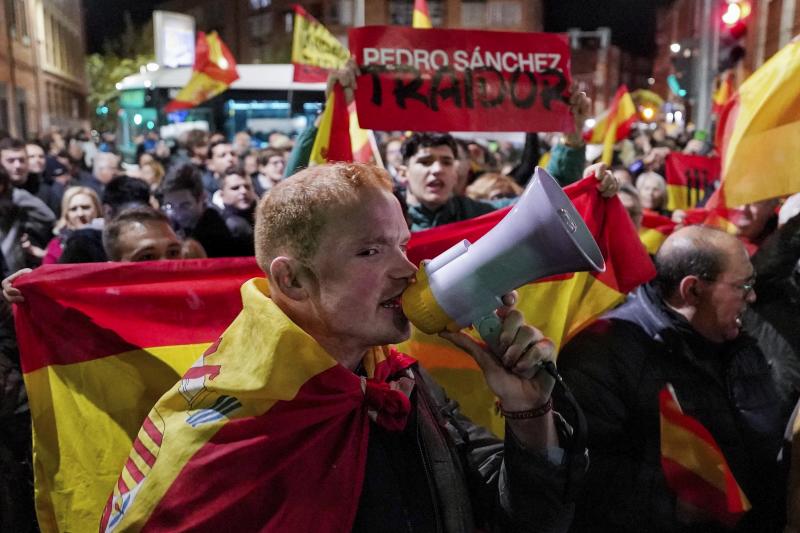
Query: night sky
632	22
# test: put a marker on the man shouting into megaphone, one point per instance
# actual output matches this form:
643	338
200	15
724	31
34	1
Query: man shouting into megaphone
326	428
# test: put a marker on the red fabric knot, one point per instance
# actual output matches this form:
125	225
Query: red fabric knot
388	404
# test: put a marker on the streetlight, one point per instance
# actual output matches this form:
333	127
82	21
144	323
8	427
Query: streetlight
675	48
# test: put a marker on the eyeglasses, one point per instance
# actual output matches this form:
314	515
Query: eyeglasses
746	287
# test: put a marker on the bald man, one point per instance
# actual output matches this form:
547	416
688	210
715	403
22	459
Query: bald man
684	328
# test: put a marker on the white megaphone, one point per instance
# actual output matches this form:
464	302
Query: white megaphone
543	235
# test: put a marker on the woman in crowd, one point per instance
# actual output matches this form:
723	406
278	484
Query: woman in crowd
79	207
653	192
152	172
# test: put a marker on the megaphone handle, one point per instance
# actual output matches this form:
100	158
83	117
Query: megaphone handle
489	328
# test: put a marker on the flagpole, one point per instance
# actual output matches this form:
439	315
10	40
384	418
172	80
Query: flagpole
707	66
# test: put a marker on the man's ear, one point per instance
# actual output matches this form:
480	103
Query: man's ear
690	290
290	277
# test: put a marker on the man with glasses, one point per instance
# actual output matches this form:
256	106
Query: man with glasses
683	328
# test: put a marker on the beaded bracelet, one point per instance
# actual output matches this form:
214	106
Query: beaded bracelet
536	412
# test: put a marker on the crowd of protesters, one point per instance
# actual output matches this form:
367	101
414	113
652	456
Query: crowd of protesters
69	198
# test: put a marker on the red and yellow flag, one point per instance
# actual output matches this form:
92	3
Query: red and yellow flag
213	71
266	431
722	94
694	465
333	141
758	132
118	336
115	338
654	230
315	50
689	178
614	125
559	306
420	18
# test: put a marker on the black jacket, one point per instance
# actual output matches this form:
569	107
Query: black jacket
617	367
212	232
464	476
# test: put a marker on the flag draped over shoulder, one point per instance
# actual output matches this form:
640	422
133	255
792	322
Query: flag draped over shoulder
420	18
614	125
759	132
118	336
213	71
558	306
99	344
315	50
694	465
265	431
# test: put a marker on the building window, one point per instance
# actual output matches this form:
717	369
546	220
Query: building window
22	114
260	26
288	22
473	14
505	14
401	12
257	5
4	125
22	21
340	12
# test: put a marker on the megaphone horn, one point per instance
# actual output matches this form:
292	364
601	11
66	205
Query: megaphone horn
543	235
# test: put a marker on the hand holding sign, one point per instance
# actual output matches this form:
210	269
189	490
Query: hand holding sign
451	80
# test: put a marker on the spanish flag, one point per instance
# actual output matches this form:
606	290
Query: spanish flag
694	465
118	336
213	71
333	141
421	19
559	306
265	431
315	50
722	94
654	230
100	343
614	125
759	132
689	178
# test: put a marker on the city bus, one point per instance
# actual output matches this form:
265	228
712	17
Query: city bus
263	100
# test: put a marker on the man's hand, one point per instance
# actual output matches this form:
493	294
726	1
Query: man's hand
30	248
580	106
11	294
346	77
609	185
513	374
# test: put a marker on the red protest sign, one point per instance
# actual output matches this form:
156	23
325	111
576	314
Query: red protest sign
689	179
461	80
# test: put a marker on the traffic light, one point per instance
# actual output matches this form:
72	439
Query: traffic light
735	15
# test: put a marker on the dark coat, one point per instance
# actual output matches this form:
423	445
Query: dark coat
456	209
617	367
212	232
473	478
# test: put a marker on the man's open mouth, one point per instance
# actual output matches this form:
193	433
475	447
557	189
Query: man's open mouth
393	303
